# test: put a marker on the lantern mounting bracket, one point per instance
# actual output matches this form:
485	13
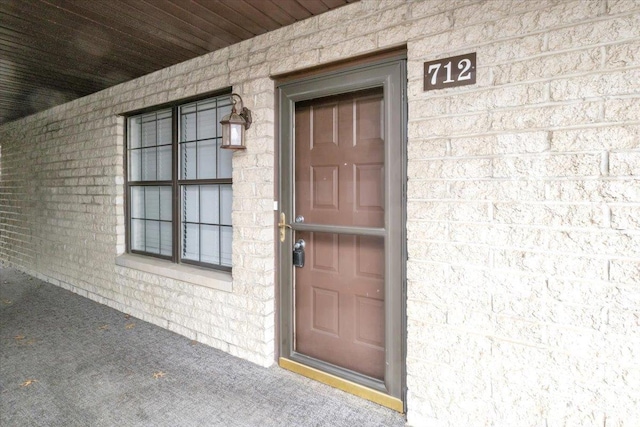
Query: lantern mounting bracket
245	113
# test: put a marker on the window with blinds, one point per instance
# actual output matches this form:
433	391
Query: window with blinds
179	184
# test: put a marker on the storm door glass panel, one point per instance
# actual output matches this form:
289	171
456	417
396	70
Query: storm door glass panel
339	182
339	297
340	144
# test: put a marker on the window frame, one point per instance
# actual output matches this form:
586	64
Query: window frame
176	184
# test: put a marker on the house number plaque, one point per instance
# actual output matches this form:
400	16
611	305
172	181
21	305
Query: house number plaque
450	72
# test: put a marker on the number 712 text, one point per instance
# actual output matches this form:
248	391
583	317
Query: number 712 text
450	72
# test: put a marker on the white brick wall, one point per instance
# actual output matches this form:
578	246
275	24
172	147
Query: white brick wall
523	199
523	204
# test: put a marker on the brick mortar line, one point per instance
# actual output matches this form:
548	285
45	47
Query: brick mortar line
546	53
524	130
542	155
581	203
452	93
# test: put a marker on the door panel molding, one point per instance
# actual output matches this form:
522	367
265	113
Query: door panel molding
390	75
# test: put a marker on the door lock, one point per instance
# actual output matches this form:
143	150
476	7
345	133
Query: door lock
298	253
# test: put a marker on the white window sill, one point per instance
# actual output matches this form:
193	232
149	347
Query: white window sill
213	279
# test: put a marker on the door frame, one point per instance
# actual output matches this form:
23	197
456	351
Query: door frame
390	74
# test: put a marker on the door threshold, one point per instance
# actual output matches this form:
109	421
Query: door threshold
342	384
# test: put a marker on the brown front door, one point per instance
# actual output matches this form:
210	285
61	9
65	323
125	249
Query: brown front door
339	181
342	183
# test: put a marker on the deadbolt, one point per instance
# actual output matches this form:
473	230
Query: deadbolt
298	253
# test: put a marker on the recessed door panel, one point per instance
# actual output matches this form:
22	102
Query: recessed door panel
369	191
324	187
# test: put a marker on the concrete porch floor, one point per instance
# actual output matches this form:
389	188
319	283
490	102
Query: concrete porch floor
68	361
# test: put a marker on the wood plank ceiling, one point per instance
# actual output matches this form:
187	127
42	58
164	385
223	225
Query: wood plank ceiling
53	51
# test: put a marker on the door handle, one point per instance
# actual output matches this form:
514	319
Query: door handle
283	226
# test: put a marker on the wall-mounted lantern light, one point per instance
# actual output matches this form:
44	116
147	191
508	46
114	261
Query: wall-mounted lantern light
234	125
